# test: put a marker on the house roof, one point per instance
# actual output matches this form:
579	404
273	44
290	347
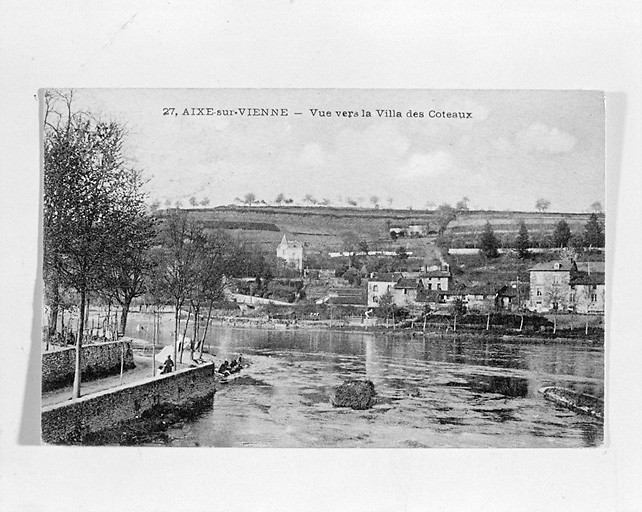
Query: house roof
291	243
551	266
507	291
436	273
476	290
592	278
406	283
386	277
592	266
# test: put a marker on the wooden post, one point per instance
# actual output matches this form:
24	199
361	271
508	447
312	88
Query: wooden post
122	360
154	334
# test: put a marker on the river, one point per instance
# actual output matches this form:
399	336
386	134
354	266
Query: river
432	392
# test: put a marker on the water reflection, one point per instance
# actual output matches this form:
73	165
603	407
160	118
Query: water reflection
433	391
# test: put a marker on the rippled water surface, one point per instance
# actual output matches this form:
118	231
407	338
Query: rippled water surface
432	392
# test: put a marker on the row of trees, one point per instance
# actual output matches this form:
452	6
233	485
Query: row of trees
101	244
592	237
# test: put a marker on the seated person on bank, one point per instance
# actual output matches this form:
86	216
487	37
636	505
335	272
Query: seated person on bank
168	366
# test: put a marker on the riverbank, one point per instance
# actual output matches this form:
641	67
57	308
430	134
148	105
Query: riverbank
163	398
445	332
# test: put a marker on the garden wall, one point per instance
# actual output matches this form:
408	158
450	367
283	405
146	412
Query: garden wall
97	360
70	421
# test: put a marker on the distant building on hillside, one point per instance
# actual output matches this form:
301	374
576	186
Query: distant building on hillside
550	285
588	294
408	289
567	285
379	284
292	252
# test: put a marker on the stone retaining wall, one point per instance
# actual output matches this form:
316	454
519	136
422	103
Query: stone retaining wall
70	421
97	360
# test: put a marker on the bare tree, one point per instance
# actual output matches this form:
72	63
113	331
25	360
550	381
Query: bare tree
249	198
542	205
309	199
556	297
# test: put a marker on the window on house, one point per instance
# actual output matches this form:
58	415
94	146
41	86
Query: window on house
375	288
593	297
439	286
538	292
405	291
430	286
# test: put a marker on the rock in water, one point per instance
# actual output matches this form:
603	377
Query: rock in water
357	394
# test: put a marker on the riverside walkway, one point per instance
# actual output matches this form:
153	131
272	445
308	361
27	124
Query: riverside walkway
142	371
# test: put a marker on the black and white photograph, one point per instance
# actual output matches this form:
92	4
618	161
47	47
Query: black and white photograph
320	256
323	268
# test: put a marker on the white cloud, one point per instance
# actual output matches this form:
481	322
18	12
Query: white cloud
541	138
427	164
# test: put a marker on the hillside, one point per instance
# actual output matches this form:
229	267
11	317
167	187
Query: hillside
321	228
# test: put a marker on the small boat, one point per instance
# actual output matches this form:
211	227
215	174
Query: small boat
578	402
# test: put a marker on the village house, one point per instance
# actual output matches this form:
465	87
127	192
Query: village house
379	284
550	285
408	289
405	292
588	292
292	252
567	285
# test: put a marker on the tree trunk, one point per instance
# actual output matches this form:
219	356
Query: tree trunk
454	323
521	323
586	328
176	316
53	311
488	322
189	312
195	331
123	315
554	323
154	335
207	323
81	327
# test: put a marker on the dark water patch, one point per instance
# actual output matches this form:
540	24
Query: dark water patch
514	387
247	380
499	415
451	420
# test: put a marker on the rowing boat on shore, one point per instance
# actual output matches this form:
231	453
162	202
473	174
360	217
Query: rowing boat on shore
578	402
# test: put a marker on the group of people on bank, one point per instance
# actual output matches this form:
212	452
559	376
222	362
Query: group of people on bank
228	368
225	369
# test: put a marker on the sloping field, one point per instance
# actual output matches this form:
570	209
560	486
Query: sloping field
321	228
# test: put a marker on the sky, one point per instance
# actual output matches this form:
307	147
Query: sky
515	147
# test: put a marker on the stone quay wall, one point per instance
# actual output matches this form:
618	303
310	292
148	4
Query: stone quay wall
97	360
70	421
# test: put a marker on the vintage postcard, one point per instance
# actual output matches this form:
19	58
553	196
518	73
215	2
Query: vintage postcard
323	268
